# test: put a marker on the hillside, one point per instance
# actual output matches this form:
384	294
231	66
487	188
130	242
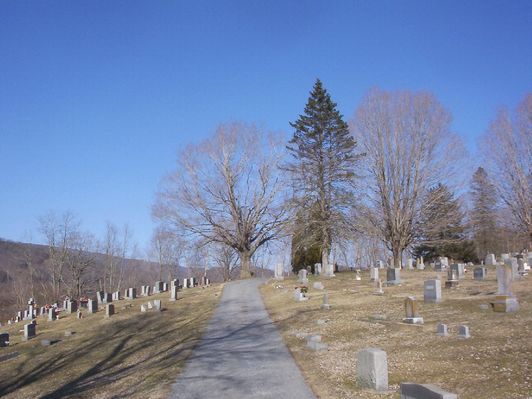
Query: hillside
24	274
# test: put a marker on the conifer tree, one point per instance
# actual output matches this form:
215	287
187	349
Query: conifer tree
323	171
442	225
483	215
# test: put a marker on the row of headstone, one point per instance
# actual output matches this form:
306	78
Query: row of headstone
131	293
145	290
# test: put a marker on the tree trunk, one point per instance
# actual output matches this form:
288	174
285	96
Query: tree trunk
397	253
245	259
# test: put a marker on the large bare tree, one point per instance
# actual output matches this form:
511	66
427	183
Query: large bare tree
409	149
507	148
227	190
115	247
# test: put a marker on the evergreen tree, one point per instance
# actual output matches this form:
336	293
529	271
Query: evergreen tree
483	215
443	231
323	170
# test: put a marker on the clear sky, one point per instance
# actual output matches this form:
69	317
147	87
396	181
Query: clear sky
96	97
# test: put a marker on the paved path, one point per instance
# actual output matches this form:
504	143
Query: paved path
241	354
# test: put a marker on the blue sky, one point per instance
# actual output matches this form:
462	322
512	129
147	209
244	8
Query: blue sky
96	97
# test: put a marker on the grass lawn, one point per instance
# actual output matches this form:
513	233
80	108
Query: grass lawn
131	354
493	363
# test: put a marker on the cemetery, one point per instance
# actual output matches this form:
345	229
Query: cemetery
126	352
435	339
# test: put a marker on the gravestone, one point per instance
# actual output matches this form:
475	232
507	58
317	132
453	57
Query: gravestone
314	343
174	283
72	307
173	293
505	256
4	340
51	314
463	332
412	317
357	275
279	271
480	273
108	297
29	331
505	300
185	283
150	306
318	285
317	269
441	330
512	263
299	295
325	305
165	287
373	273
372	369
378	285
409	264
432	291
143	308
490	260
393	276
115	296
157	305
92	306
99	297
302	277
452	279
424	391
419	263
158	287
109	310
459	268
380	264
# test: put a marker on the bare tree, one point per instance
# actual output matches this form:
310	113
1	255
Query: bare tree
58	232
409	149
508	150
81	258
225	258
226	189
116	247
168	249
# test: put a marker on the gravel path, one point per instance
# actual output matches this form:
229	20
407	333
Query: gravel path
241	354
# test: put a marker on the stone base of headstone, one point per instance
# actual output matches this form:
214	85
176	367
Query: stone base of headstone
314	343
505	304
424	391
413	320
451	284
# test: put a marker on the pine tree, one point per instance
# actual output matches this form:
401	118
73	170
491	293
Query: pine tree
443	230
483	215
323	170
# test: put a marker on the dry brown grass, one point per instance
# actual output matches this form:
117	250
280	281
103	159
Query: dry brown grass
493	363
131	354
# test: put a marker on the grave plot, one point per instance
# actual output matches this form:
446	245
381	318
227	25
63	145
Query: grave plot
465	346
130	354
